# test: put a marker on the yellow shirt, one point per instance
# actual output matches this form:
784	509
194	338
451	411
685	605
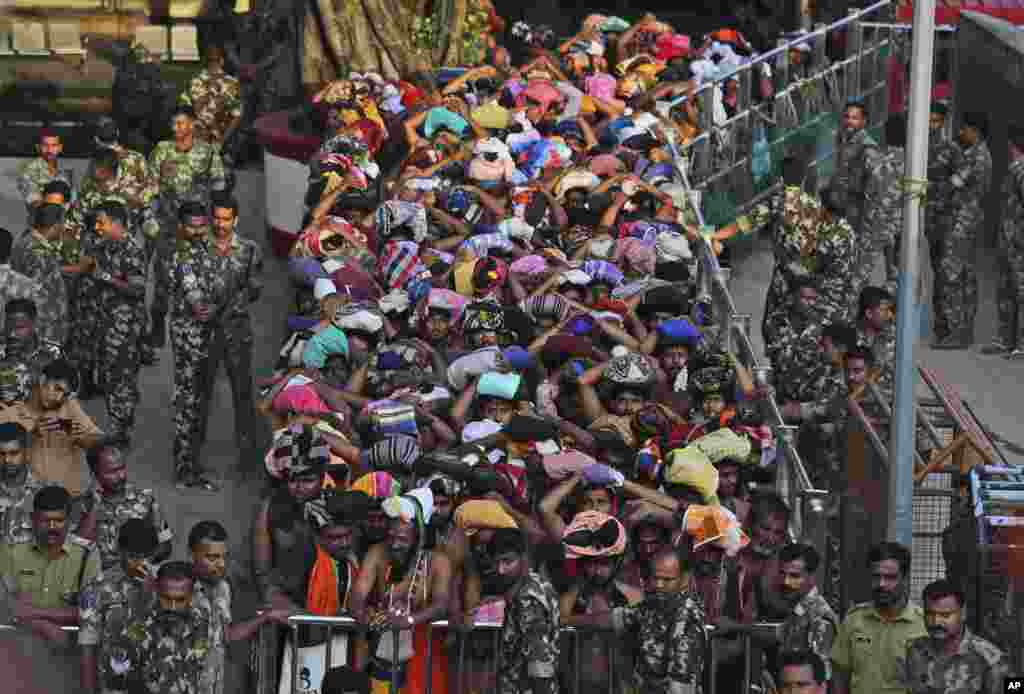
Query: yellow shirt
873	651
51	583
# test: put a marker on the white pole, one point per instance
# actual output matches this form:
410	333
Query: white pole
901	449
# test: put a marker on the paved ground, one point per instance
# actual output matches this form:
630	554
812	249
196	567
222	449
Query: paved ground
992	384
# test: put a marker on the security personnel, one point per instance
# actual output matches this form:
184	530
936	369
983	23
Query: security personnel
111	602
870	649
43	577
192	282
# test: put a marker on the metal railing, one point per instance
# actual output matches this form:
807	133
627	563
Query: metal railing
753	669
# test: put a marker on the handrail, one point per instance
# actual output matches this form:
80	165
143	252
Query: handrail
802	39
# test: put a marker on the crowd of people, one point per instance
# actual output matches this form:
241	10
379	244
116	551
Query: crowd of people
503	398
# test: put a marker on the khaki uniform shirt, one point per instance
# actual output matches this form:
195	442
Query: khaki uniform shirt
873	651
51	583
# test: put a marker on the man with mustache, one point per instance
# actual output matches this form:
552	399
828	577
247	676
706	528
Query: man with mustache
108	604
207	543
870	649
169	645
529	635
42	578
37	172
17	485
402	586
812	625
668	627
111	501
952	658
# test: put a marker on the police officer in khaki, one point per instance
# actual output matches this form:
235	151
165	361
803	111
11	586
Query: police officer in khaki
869	652
951	659
42	578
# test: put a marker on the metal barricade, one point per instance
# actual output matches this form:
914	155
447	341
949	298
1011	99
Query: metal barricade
756	676
462	636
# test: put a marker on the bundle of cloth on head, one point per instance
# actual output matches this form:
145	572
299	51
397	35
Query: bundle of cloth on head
359	317
691	467
297	450
377	485
385	418
400	263
482	514
529	435
416	507
397	364
721	444
397	453
714	524
594	534
324	344
563	465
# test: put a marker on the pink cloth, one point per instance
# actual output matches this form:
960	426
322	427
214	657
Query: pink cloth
566	464
529	265
542	92
601	86
605	165
669	46
639	256
299	398
897	86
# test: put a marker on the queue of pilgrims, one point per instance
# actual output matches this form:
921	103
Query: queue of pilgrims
499	401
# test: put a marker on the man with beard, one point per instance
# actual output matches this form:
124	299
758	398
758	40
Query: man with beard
712	535
43	577
13	284
333	576
207	543
952	659
21	343
37	172
447	493
111	501
804	672
377	486
668	628
529	634
169	645
402	586
18	486
109	603
870	649
858	160
284	548
812	625
648	538
598	543
876	333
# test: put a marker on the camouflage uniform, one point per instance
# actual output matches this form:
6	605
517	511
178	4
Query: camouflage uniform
857	163
106	606
30	358
791	344
529	637
34	176
669	636
133	185
231	336
944	159
194	266
955	296
883	218
112	513
977	668
215	602
805	246
1010	292
169	651
16	511
883	347
39	259
183	176
113	335
811	627
14	285
217	101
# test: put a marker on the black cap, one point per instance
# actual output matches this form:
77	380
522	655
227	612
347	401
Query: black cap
137	537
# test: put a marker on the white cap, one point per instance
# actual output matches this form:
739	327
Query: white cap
323	287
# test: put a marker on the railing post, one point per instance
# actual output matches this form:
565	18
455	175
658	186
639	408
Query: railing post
813	513
785	479
854	43
739	323
296	670
393	689
704	149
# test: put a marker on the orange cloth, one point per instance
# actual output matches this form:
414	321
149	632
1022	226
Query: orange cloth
417	681
322	591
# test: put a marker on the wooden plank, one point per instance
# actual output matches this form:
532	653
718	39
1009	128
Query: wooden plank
954	407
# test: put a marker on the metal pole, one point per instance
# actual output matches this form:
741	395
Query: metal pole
901	472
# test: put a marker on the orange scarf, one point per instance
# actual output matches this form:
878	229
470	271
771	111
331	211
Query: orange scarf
322	594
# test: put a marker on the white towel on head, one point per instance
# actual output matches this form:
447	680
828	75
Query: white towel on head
405	508
323	287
